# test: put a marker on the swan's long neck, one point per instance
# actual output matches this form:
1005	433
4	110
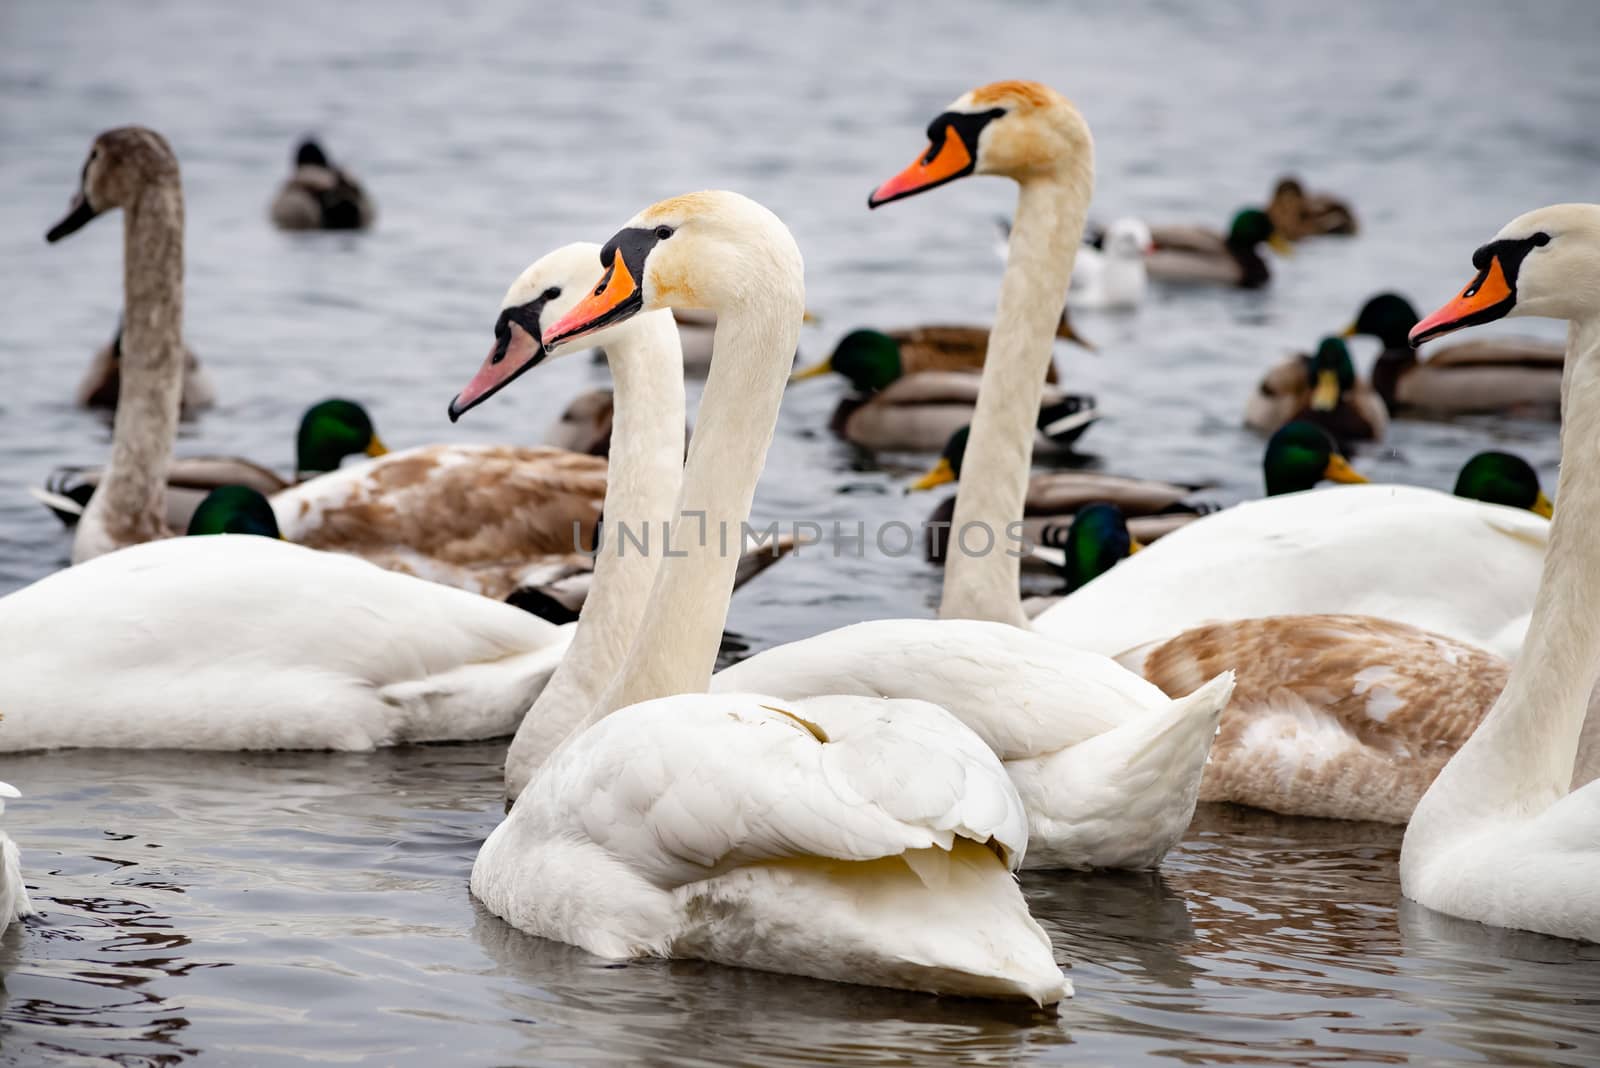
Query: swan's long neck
1521	757
676	646
642	484
1044	242
130	501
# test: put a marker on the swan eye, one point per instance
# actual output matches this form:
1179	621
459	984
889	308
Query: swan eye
663	232
551	294
1540	239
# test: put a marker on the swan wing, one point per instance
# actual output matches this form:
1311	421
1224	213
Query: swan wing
682	788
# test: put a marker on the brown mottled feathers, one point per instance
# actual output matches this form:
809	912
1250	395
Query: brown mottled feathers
470	516
1346	717
1296	213
946	348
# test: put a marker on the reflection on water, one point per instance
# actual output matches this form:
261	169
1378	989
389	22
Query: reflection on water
261	908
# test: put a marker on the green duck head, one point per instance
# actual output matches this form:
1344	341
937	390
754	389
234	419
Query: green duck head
1252	226
1097	539
1302	454
329	432
1331	373
234	510
1501	478
868	358
1388	317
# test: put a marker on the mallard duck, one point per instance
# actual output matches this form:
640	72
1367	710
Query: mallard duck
914	391
1512	375
321	196
1501	478
1195	254
330	431
1155	507
1296	213
102	381
1323	389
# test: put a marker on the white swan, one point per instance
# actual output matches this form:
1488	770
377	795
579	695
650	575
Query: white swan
1108	766
1113	277
14	903
1498	838
235	642
850	839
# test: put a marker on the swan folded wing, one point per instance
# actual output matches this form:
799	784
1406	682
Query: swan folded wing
684	788
1024	695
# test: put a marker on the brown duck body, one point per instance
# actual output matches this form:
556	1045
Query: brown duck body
1512	375
1284	394
317	197
1342	717
1297	214
1198	255
916	412
954	348
102	381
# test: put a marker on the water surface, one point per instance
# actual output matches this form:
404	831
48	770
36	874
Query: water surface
260	908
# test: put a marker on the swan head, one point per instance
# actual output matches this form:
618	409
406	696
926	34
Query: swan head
1544	263
548	289
1302	454
330	431
234	510
1128	239
713	250
122	164
1501	478
1020	130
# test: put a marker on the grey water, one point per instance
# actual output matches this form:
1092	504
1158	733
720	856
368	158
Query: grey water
265	908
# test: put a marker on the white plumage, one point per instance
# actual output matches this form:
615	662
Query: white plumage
241	642
1108	767
1460	568
837	837
14	903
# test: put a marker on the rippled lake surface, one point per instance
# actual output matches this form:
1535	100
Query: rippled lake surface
254	909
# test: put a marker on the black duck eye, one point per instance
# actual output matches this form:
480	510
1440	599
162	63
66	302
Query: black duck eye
663	232
551	294
1540	239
